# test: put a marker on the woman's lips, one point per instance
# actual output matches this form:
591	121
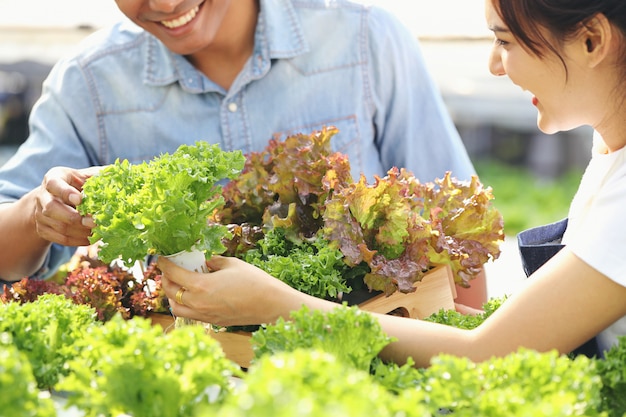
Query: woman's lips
535	101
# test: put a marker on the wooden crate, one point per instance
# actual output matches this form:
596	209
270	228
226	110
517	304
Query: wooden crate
166	321
434	292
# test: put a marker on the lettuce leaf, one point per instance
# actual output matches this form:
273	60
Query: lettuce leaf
402	228
313	267
287	185
161	206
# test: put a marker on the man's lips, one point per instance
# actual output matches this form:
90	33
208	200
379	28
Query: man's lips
182	20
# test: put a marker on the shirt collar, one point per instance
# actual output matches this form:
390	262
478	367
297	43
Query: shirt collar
279	35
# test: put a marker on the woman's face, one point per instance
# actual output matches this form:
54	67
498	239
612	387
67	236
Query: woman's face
184	26
557	94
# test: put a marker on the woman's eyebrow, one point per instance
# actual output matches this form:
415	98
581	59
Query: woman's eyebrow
496	28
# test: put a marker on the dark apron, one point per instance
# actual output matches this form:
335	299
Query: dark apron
536	246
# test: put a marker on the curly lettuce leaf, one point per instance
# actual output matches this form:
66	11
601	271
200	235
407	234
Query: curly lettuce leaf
468	228
287	185
314	267
380	224
402	228
161	206
347	332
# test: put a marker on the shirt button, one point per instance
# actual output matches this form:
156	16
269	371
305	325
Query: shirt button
232	107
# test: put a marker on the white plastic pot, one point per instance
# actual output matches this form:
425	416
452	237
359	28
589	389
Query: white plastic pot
193	260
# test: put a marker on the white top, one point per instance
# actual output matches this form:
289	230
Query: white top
596	230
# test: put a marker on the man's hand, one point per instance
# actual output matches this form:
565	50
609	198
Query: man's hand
56	217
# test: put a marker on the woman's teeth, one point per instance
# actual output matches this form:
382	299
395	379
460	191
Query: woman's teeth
173	24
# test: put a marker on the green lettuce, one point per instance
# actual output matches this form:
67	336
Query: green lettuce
161	206
315	268
349	333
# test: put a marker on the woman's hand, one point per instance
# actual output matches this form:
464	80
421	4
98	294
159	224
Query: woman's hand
56	217
234	293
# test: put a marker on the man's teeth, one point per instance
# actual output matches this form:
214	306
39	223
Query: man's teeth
172	24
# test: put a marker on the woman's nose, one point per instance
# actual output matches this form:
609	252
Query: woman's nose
495	64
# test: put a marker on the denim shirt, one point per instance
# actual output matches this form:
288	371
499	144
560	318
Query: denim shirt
315	63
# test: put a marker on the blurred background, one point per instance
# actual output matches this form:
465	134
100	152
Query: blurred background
533	175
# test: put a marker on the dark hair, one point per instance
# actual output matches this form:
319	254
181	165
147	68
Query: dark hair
562	18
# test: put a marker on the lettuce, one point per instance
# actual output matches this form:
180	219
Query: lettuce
161	206
287	185
402	228
315	268
130	367
45	330
20	396
352	335
398	227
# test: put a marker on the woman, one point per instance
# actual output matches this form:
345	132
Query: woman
572	57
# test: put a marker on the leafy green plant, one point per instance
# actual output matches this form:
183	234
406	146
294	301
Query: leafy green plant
313	267
524	383
396	378
397	227
314	365
45	330
130	367
20	396
287	184
402	228
466	321
109	290
347	332
313	383
161	206
613	372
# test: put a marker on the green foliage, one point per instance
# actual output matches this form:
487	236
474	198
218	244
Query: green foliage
20	396
524	200
312	383
313	267
45	331
347	332
466	321
525	383
613	372
402	228
396	378
162	206
314	365
398	227
131	367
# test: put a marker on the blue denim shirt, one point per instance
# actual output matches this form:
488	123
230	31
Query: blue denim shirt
125	95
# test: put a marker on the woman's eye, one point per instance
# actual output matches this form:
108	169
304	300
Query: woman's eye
500	42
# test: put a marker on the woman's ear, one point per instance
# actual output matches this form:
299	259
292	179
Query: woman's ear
597	35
